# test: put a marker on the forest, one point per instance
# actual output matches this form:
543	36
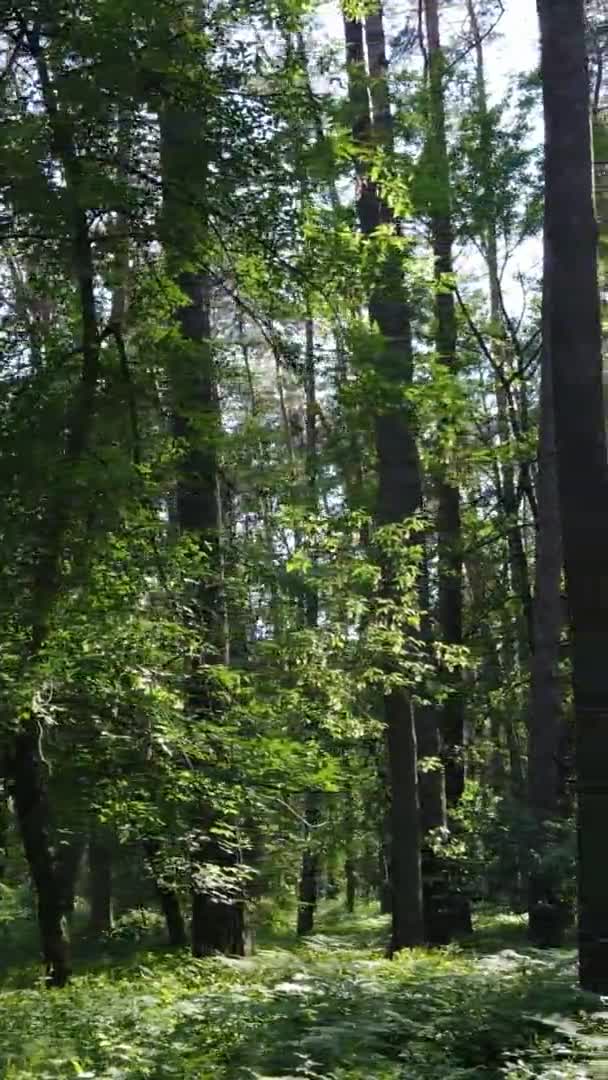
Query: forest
304	540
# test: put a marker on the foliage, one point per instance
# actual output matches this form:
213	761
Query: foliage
333	1008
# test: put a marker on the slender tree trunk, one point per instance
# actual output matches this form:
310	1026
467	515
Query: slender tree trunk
168	897
67	866
449	526
308	889
351	847
28	770
574	330
350	873
100	885
446	912
31	806
174	919
217	922
546	913
518	564
398	470
308	886
4	826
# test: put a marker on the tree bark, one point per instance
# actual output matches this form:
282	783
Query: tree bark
174	919
507	492
546	914
574	328
398	471
217	922
100	885
168	897
350	873
28	770
308	887
4	820
30	794
448	524
67	865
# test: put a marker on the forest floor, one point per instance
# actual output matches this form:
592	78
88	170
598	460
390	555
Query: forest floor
333	1009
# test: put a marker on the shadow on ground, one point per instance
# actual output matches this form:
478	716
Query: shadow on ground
333	1008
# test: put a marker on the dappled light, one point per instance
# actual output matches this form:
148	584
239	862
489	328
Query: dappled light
303	539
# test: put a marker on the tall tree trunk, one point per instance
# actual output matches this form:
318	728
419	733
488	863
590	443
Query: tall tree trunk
519	574
574	329
27	767
308	889
30	794
398	469
545	912
217	921
448	912
67	866
174	919
449	526
167	895
4	820
100	884
308	885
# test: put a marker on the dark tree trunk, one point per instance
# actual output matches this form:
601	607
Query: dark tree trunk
546	913
433	805
351	846
444	910
168	896
67	865
4	819
308	886
29	790
574	329
448	524
385	898
100	885
172	911
217	922
350	874
506	489
28	770
398	471
217	927
308	892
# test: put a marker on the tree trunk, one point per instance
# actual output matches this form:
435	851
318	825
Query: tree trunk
28	771
574	330
444	910
29	790
217	921
172	911
168	897
433	803
67	865
308	887
4	820
350	873
308	890
449	527
398	471
100	886
546	914
507	494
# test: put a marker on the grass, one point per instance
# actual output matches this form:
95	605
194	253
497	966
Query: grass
332	1009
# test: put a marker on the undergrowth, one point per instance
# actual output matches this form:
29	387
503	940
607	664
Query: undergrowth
333	1009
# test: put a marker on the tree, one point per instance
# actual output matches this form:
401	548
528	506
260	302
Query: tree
574	334
449	512
399	496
